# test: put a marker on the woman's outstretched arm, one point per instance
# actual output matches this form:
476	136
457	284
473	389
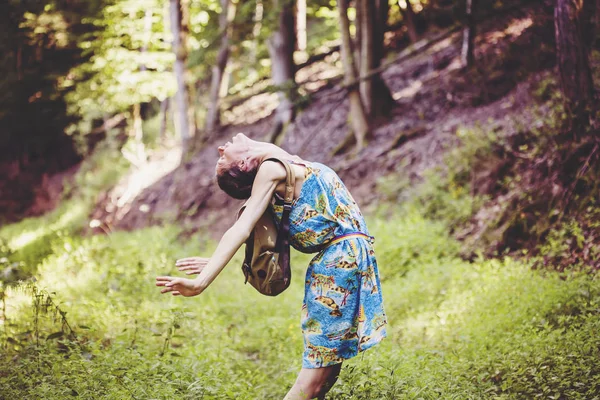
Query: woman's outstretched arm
267	179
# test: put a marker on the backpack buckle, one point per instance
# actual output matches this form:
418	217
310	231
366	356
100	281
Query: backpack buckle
247	272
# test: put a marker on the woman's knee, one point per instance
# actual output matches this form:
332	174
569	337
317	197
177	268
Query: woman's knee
316	385
311	387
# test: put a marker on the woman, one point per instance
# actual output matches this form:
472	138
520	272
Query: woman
343	311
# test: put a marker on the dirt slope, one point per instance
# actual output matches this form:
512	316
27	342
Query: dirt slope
433	94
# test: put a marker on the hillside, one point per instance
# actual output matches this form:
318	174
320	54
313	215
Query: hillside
434	97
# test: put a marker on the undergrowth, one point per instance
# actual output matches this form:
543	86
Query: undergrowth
81	316
531	193
93	325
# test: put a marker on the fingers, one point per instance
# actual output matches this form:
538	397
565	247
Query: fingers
190	267
163	280
191	271
170	289
191	261
186	259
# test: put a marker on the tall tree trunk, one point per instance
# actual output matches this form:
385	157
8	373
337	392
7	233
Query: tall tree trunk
301	25
572	56
591	13
358	118
20	62
164	118
147	33
181	97
367	19
283	70
217	82
408	15
138	131
469	35
382	10
258	18
376	97
135	152
358	26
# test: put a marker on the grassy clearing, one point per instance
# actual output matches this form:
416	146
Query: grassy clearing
92	325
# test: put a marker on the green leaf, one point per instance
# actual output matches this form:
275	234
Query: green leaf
55	335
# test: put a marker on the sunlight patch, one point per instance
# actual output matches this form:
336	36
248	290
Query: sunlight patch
409	91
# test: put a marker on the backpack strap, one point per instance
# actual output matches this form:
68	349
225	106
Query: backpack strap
290	180
282	245
290	184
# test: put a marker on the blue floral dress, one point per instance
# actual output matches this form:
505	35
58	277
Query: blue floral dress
342	312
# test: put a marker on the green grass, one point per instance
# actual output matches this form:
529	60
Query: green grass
87	321
95	326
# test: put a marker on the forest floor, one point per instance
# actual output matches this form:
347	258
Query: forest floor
435	98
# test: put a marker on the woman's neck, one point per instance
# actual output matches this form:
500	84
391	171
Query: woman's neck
265	150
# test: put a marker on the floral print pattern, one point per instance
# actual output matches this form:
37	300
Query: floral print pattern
342	312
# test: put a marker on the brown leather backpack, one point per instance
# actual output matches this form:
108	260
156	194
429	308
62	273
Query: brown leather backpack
267	259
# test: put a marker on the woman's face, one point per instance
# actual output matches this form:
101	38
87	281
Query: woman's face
233	151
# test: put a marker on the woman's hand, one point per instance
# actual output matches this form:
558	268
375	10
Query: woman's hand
179	286
191	265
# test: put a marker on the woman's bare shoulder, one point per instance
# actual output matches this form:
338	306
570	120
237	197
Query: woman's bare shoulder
271	170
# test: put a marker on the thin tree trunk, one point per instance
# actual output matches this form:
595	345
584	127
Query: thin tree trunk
375	94
358	26
258	17
301	25
283	70
147	33
135	153
408	15
164	118
181	96
360	125
367	19
572	56
138	131
218	70
469	35
382	10
591	8
191	89
20	63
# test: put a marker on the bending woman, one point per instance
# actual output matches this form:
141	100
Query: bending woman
342	312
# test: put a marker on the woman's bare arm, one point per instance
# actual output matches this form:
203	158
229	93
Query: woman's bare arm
267	179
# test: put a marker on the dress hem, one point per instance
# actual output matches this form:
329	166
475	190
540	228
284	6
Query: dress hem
342	359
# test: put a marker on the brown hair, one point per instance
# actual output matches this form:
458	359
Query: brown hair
236	182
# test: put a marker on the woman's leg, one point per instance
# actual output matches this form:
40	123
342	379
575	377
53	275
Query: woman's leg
314	383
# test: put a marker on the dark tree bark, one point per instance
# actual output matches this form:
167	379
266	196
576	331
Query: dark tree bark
164	118
376	97
572	57
218	70
408	15
283	70
367	51
258	21
358	26
358	118
469	35
591	14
